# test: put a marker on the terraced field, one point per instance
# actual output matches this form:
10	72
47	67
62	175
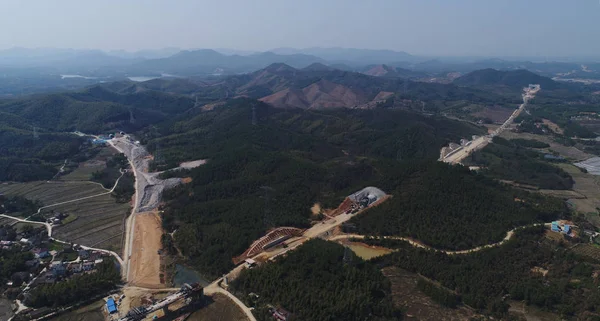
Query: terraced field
52	192
589	250
98	220
84	170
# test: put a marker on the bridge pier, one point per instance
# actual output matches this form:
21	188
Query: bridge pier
166	311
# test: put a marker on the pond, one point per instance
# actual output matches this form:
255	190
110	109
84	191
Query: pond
187	275
368	252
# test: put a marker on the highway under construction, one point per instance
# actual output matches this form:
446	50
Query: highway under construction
456	155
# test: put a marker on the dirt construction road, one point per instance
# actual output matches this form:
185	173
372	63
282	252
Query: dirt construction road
145	260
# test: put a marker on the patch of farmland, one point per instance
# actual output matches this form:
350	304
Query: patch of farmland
417	305
84	170
99	222
52	192
589	250
18	226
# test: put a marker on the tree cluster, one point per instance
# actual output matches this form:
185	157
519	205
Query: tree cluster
453	208
77	288
314	284
487	279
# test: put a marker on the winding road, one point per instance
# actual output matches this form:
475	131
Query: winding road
414	243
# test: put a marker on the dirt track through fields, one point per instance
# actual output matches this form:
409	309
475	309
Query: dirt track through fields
145	260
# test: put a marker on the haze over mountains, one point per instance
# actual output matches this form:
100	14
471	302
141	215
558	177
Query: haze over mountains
36	70
175	60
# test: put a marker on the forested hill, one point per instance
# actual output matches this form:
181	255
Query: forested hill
315	284
94	109
268	170
319	134
515	79
316	88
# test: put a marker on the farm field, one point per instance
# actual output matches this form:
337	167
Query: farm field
52	192
220	308
587	185
84	170
99	222
17	225
92	312
589	250
96	221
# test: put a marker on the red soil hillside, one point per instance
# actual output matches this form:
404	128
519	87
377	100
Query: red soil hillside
380	70
275	77
322	94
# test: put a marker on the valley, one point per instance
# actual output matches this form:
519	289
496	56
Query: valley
219	175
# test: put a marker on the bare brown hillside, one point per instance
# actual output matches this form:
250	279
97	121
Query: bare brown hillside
379	71
276	77
322	94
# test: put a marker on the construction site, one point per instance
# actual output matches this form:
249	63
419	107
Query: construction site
455	153
145	257
177	305
279	240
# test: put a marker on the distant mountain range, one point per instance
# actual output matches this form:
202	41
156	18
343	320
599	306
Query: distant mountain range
352	56
514	79
316	86
209	63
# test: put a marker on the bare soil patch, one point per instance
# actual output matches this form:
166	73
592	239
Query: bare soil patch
367	252
316	209
553	126
417	305
192	164
145	257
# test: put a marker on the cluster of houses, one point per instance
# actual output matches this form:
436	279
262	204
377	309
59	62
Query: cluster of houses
46	266
56	218
279	313
57	270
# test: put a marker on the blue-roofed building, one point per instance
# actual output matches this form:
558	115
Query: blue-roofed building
111	306
98	141
555	227
567	229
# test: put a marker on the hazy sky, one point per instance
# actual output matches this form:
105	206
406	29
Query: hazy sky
433	27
